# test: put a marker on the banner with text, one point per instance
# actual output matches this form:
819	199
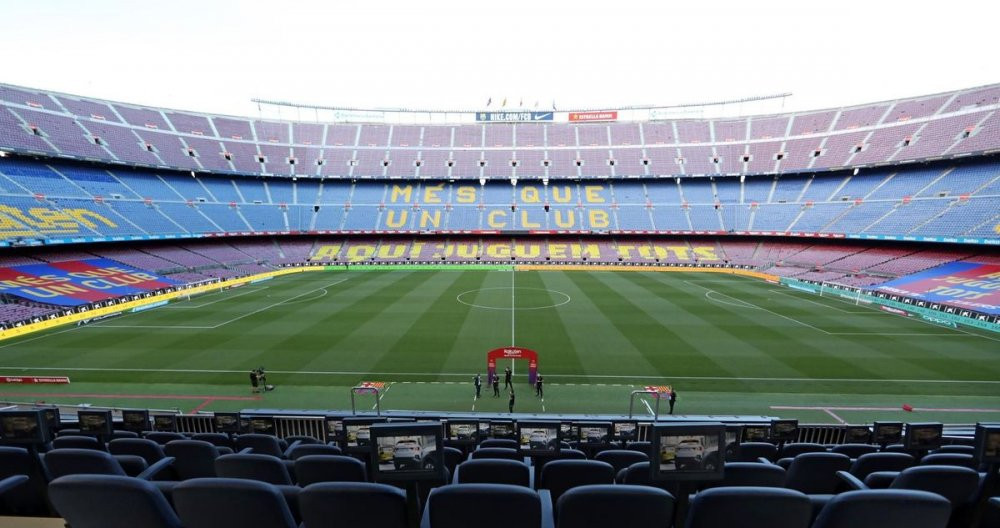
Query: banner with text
611	115
78	282
969	285
514	117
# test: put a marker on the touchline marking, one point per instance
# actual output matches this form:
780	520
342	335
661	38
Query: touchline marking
650	409
824	305
924	409
130	396
381	395
233	320
835	417
640	377
187	306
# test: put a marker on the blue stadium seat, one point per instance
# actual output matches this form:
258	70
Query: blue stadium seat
78	442
251	466
816	473
193	458
311	469
302	450
216	439
162	437
486	506
302	440
949	459
955	448
748	507
452	458
231	503
60	462
751	474
885	509
353	504
854	450
752	451
495	452
147	449
621	458
559	476
601	506
494	471
261	444
29	498
111	501
499	442
872	462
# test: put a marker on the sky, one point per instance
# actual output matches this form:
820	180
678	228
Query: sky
214	56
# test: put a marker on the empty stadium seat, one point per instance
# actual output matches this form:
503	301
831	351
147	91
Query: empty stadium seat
111	501
872	462
792	450
301	440
452	458
495	452
621	458
261	444
162	437
602	506
561	475
748	507
28	498
192	458
499	442
884	509
751	474
251	466
147	449
949	459
854	450
302	450
486	506
231	503
816	473
753	451
955	448
60	462
216	439
78	442
494	471
311	469
353	504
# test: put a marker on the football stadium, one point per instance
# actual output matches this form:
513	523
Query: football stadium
729	313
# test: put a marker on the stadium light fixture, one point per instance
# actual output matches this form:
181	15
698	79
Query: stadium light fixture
513	182
482	182
856	171
743	178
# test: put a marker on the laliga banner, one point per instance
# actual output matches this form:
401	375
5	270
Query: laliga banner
968	285
78	282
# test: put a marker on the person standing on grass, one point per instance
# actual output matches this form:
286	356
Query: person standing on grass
478	382
254	381
506	379
673	399
538	387
510	402
496	386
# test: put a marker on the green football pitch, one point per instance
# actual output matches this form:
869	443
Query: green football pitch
730	346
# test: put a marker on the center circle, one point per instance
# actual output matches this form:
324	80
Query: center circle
518	298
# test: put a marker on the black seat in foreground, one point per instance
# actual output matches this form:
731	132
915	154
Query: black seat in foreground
494	471
604	505
747	507
884	509
231	503
486	506
329	468
560	476
111	501
353	504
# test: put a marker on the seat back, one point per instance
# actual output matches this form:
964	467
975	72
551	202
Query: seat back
815	473
494	471
641	446
149	450
302	440
603	505
192	458
854	450
353	504
496	452
452	458
216	439
959	485
78	442
621	458
61	462
111	501
748	507
751	451
115	435
884	509
955	448
483	506
162	437
261	444
752	474
302	450
949	459
311	469
559	476
230	503
872	462
28	498
795	449
263	468
499	442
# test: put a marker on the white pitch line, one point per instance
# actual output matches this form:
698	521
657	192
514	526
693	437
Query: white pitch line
650	409
835	417
824	305
924	409
382	395
643	377
186	306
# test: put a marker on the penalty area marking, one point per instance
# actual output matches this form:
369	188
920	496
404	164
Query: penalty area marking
742	303
566	299
915	409
188	306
